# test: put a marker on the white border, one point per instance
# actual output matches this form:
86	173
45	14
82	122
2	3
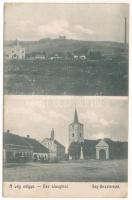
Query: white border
130	78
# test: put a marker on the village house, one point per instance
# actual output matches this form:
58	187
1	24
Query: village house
56	56
15	52
40	56
23	149
15	148
82	57
76	57
56	149
40	152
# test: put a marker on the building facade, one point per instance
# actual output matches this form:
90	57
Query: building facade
76	130
56	149
23	149
40	152
50	144
15	52
102	150
15	149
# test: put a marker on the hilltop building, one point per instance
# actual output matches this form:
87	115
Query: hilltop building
76	130
15	52
62	37
56	149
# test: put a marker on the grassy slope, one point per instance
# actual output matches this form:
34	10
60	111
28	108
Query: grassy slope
57	45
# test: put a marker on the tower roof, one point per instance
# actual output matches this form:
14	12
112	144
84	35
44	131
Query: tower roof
75	117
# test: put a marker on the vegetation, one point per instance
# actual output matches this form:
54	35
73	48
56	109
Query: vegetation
117	149
51	46
73	77
102	69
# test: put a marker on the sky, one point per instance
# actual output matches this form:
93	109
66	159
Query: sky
103	117
96	22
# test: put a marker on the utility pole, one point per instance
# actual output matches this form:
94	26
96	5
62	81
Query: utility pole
125	32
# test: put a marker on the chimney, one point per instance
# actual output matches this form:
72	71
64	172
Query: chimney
28	136
125	31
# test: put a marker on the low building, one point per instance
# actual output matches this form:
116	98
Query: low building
56	57
76	57
82	57
56	149
15	52
15	148
40	57
40	152
23	149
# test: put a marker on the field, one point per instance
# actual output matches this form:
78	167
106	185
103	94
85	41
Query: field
66	77
68	171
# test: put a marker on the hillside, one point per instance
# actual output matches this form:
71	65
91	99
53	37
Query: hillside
67	45
66	77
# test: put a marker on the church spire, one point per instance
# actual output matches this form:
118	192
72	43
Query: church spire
75	117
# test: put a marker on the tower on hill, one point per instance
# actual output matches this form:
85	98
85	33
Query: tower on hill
76	133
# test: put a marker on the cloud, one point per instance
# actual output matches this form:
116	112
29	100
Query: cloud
99	135
35	21
103	122
54	28
30	30
80	29
36	115
62	27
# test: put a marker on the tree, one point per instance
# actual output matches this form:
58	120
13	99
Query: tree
75	150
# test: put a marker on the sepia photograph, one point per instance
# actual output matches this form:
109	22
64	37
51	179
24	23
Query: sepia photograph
66	49
65	92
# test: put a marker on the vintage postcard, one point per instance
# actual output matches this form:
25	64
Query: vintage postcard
66	100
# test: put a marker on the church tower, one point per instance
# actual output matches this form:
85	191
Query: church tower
76	133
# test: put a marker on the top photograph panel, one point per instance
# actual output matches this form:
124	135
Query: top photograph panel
66	49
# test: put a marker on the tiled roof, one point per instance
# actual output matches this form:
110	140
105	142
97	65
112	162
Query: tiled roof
9	138
58	143
37	146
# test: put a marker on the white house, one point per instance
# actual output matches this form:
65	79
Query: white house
56	149
15	52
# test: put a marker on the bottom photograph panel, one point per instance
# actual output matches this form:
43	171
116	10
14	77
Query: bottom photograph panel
54	145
